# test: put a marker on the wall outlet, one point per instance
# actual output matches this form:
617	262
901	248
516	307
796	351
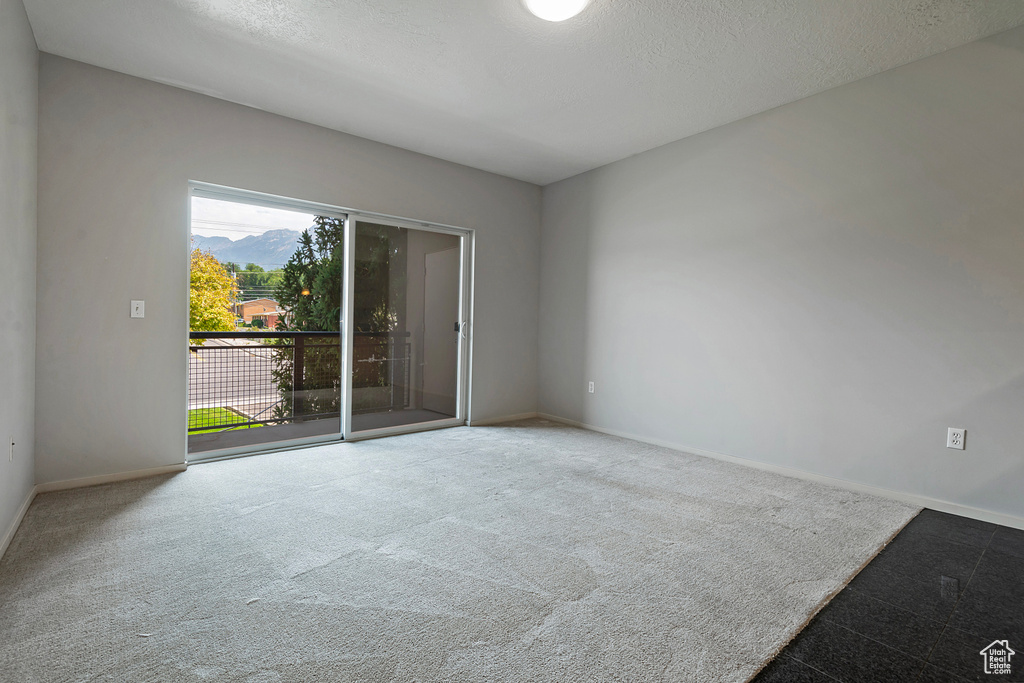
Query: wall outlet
138	309
590	387
955	438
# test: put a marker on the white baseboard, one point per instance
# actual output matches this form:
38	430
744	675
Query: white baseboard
499	420
8	536
108	478
911	498
16	522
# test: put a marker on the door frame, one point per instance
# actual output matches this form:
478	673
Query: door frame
252	198
350	217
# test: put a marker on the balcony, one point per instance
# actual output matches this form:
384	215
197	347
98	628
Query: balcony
249	388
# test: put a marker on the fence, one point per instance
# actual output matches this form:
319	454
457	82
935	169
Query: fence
241	380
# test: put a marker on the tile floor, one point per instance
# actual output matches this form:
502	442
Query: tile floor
922	610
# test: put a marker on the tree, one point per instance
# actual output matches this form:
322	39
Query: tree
256	283
310	286
310	292
211	293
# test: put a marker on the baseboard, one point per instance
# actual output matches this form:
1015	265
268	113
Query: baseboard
108	478
575	423
499	420
16	522
911	498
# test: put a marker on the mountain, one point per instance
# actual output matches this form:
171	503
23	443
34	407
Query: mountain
270	250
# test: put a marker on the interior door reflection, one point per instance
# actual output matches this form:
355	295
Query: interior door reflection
405	347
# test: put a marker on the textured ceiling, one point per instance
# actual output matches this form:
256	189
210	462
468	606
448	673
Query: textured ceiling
485	83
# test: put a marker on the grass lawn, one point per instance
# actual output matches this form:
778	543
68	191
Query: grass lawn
213	416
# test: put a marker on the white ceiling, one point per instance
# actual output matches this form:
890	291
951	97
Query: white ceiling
486	84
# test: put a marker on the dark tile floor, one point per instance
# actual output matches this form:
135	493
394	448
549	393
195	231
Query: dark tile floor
944	589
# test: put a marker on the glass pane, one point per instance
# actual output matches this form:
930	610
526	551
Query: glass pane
406	317
265	342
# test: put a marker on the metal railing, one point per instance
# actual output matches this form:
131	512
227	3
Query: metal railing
241	380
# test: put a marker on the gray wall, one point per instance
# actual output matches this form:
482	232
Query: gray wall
826	286
18	77
115	154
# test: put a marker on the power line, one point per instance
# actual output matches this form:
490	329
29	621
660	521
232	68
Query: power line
246	232
210	221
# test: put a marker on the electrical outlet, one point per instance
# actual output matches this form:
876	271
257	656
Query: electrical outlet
955	438
590	387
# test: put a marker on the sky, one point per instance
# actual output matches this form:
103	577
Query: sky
218	218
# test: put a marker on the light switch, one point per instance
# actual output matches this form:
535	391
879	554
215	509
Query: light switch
138	309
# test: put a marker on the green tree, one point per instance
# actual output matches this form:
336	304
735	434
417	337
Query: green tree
211	294
256	283
310	286
309	290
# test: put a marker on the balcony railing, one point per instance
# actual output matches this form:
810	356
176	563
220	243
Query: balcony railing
243	380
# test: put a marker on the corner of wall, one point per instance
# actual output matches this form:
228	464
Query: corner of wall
19	92
779	287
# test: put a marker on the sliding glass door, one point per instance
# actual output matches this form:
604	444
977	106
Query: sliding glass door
309	323
409	326
265	344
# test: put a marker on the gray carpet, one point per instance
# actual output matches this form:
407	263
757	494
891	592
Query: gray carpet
527	552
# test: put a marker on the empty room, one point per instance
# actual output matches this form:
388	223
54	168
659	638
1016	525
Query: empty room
512	340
